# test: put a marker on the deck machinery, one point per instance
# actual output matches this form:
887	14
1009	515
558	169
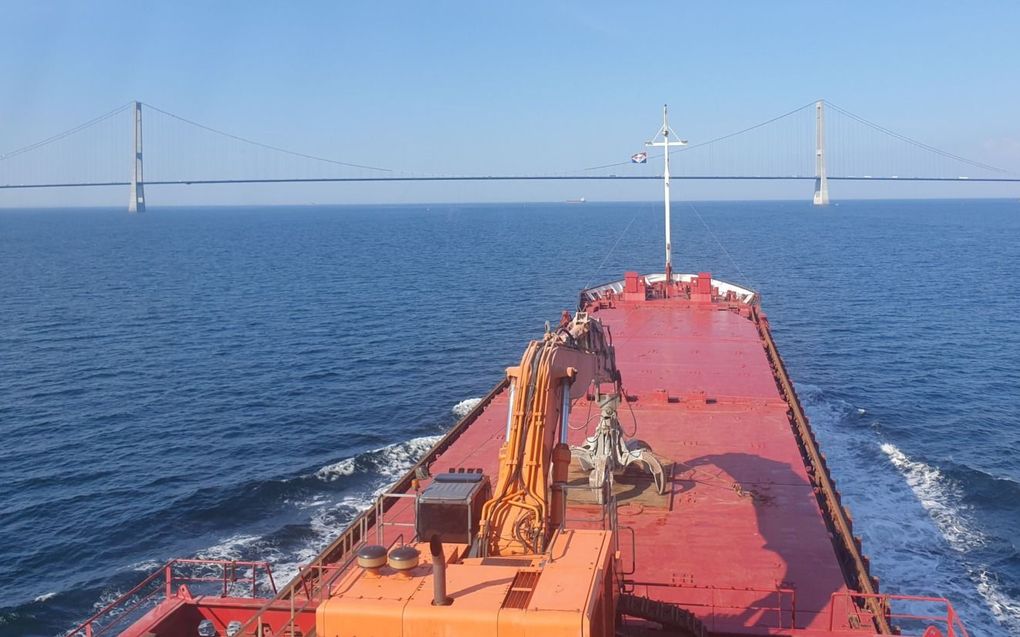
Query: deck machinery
542	513
512	563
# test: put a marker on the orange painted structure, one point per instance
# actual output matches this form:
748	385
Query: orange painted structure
750	537
521	572
561	593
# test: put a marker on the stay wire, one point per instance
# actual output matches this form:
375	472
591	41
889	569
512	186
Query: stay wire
743	277
608	254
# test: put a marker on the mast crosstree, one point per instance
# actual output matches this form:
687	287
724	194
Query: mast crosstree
666	144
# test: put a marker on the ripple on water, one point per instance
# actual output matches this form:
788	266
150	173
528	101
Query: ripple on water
241	381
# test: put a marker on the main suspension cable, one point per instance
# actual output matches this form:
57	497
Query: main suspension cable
266	146
919	144
711	141
67	133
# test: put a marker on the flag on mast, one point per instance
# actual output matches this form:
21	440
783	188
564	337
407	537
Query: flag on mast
639	158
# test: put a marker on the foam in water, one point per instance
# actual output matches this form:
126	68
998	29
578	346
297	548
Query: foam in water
940	497
146	566
337	470
396	459
464	407
107	598
910	515
1005	608
232	548
392	460
331	516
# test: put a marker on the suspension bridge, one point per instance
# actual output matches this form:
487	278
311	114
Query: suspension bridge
818	142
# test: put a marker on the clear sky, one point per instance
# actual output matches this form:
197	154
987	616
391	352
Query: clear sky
512	87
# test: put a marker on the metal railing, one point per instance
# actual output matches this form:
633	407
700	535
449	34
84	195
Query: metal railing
380	515
607	511
161	585
713	599
316	584
314	581
312	584
608	520
858	612
852	559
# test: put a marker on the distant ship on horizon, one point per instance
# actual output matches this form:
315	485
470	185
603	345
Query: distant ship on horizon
579	200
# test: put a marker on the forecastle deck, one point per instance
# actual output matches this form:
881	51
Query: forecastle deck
742	538
750	535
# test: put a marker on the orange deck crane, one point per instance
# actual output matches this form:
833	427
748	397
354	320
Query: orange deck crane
500	560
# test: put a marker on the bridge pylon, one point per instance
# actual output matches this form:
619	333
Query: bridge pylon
137	203
821	197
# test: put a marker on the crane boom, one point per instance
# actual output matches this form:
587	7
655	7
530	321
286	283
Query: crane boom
553	371
489	556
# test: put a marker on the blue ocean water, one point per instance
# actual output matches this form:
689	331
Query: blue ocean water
238	382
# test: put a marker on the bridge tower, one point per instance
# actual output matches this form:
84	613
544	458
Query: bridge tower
137	203
821	177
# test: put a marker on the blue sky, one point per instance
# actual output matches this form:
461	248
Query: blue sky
469	87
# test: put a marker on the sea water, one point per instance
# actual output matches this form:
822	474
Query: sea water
240	382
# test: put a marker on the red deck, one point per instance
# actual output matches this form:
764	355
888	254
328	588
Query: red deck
749	536
744	514
741	539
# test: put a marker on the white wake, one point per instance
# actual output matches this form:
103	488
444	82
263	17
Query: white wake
940	497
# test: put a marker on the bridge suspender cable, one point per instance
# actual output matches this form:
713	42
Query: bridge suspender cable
94	154
712	141
67	133
261	145
922	145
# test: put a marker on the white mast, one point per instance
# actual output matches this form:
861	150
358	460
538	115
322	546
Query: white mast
664	132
